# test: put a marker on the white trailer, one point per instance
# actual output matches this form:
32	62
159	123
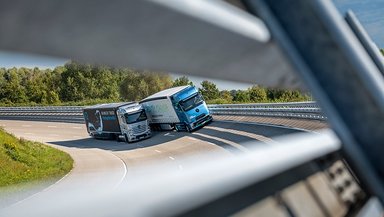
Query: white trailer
181	108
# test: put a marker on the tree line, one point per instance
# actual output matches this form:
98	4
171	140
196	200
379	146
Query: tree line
84	84
254	94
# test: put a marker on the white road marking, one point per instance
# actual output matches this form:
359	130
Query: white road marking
26	125
244	133
172	158
231	143
29	133
191	138
125	171
53	135
76	127
52	126
168	134
157	151
269	125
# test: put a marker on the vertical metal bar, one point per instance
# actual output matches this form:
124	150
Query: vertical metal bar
340	74
365	40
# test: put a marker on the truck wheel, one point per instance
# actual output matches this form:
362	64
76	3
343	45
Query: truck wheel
188	129
126	138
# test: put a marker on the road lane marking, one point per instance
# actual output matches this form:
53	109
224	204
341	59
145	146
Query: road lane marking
191	138
230	143
29	133
172	158
268	125
76	127
125	170
55	135
157	151
52	126
168	134
243	133
26	125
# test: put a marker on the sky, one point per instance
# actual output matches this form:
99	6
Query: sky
371	15
369	12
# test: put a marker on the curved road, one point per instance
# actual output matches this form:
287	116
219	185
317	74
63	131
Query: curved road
104	165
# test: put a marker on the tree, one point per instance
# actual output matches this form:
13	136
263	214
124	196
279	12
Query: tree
89	82
73	82
226	96
136	86
12	90
257	94
274	94
182	81
279	95
241	96
209	90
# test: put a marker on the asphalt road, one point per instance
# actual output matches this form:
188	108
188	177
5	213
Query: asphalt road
105	165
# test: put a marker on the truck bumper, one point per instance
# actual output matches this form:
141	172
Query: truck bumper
201	122
140	136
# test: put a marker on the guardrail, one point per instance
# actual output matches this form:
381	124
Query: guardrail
304	110
73	114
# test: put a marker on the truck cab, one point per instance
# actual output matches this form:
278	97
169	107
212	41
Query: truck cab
133	123
191	108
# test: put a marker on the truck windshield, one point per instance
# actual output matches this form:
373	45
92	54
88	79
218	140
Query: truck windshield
191	103
135	117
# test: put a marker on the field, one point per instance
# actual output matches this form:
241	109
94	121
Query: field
23	161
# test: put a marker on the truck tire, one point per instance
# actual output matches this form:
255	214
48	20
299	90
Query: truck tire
188	129
126	138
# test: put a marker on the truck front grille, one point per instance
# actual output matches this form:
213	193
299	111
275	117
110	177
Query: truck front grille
200	116
139	129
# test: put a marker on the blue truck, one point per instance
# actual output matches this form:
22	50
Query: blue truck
181	108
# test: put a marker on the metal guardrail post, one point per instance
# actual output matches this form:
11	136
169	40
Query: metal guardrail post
340	74
365	40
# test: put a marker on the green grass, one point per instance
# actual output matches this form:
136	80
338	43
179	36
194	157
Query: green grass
23	161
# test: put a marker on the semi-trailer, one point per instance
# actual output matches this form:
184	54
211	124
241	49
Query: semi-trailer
124	120
182	108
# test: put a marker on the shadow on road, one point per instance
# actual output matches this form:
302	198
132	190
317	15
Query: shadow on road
222	134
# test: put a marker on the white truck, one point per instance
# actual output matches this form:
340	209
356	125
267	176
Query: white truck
125	120
182	108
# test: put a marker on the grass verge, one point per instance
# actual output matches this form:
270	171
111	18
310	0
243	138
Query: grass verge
23	161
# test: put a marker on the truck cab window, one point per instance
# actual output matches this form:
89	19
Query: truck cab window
192	102
135	117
